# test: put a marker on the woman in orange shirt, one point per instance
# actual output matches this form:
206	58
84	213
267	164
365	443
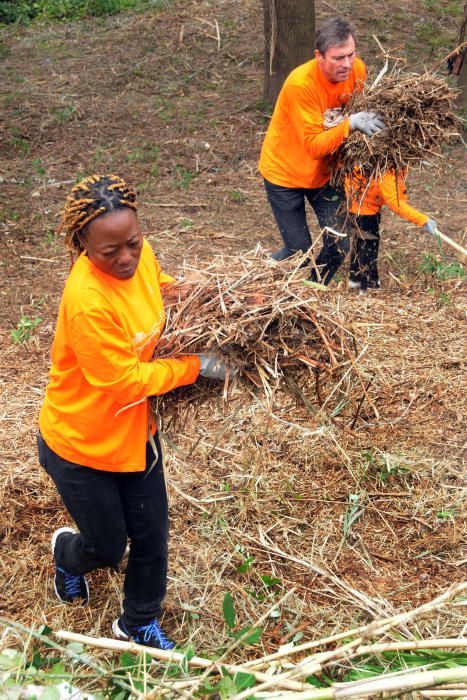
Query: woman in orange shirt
365	202
97	439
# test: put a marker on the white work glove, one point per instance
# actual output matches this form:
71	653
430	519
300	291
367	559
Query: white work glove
368	122
431	227
211	367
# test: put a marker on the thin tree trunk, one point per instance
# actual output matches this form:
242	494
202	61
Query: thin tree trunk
289	33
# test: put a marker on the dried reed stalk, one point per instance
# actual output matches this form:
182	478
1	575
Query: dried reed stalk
418	111
260	318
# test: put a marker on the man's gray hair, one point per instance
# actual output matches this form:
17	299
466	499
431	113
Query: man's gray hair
333	32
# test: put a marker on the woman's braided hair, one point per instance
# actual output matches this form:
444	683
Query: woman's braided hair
91	197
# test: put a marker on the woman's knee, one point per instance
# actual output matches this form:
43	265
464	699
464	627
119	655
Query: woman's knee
108	553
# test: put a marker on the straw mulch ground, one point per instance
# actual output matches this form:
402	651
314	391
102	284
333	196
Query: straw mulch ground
252	493
258	494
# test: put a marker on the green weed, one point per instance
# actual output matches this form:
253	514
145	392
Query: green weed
448	514
19	142
38	166
384	465
247	635
184	177
27	10
65	113
146	153
236	196
187	224
166	108
24	329
435	266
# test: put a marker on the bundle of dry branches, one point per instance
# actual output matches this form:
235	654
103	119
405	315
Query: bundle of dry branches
261	318
419	117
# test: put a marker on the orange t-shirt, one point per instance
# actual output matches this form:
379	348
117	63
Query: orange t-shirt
105	337
296	147
389	190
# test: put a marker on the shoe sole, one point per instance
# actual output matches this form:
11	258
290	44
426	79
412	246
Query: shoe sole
354	285
118	633
57	534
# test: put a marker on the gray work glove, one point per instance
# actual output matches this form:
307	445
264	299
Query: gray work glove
211	367
368	122
431	227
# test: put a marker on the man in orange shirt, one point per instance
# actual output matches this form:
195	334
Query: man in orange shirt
97	440
297	147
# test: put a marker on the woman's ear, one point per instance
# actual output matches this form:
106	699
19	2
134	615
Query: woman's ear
82	242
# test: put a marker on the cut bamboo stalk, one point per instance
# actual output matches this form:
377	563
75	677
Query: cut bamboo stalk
171	656
375	686
443	693
452	243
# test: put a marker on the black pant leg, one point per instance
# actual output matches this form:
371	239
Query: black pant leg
366	247
92	498
144	499
288	207
329	207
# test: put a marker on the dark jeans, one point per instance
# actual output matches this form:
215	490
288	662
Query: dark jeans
288	207
364	257
108	508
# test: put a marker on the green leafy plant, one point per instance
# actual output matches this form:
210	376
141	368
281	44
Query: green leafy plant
65	113
247	635
24	329
184	177
236	196
38	166
19	142
433	265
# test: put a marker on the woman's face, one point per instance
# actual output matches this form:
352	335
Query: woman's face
113	243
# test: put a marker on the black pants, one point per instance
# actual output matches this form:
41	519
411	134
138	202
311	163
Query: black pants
108	508
364	257
288	207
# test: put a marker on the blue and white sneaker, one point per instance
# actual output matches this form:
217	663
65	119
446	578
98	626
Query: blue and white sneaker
150	635
354	282
68	587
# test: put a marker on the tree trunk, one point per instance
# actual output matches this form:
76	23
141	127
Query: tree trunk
289	33
459	64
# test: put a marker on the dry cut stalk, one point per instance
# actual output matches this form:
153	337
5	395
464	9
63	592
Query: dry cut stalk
260	318
418	111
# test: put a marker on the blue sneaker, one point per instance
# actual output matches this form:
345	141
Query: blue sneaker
150	635
68	587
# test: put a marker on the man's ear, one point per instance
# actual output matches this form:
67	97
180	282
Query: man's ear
319	56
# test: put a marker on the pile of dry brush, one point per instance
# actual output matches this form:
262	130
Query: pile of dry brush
261	318
418	111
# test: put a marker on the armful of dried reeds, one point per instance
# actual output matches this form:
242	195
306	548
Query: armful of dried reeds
259	317
418	111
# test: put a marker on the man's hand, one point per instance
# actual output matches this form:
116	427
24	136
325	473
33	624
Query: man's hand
212	367
431	227
368	122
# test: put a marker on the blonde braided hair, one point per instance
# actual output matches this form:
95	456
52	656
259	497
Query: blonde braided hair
91	197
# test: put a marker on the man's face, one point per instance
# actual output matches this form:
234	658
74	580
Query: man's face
336	63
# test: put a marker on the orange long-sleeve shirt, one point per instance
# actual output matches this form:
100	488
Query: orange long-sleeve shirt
389	190
296	146
106	333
